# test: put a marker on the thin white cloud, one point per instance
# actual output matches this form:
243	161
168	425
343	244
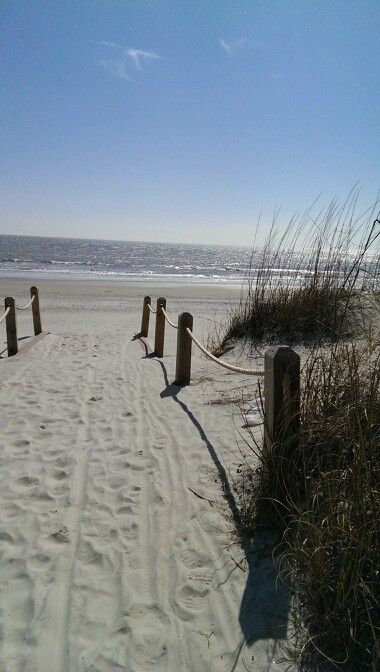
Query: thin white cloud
116	67
121	66
108	44
137	54
225	46
234	45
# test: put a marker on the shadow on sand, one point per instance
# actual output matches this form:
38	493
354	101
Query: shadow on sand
5	350
265	604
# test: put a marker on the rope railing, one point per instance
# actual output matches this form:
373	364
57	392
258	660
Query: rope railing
167	318
10	318
184	340
27	305
281	372
8	310
226	365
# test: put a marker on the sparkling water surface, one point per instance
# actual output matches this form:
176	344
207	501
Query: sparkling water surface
122	260
160	262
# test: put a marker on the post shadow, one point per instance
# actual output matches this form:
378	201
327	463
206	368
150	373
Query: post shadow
5	349
171	390
149	354
265	605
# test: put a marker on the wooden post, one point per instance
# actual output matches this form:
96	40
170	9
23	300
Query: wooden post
160	328
184	343
282	396
145	316
10	323
36	311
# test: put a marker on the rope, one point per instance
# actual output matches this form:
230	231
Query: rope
5	314
175	326
231	367
27	305
151	309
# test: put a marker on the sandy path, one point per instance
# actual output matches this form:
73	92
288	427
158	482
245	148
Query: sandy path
108	561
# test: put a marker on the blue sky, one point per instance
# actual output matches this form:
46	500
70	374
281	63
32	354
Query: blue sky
204	114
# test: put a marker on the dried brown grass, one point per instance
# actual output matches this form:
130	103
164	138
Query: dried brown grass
310	282
323	498
322	494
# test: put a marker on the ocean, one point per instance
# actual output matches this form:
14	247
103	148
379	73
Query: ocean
60	258
121	260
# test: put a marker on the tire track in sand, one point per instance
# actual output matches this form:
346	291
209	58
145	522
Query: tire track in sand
182	573
53	650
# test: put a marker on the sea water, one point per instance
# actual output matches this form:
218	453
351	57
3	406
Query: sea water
121	260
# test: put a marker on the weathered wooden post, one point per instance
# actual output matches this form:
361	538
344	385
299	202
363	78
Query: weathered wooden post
36	310
160	328
282	396
145	316
10	323
184	343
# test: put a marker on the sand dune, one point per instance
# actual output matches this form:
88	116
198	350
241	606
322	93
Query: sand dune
108	560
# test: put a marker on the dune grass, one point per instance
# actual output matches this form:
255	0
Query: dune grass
323	497
309	282
332	537
322	493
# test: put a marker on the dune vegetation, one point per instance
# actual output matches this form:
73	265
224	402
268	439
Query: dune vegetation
309	282
321	493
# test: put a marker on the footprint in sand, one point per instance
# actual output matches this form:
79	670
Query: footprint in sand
129	532
27	481
118	465
126	509
133	467
189	602
59	537
59	474
139	644
192	558
200	580
89	555
10	512
115	483
5	537
160	443
38	562
196	586
43	497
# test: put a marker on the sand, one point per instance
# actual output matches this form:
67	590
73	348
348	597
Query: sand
116	544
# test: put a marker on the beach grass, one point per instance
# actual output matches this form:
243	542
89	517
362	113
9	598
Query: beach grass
321	495
309	282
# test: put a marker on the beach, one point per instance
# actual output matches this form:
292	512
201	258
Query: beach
117	497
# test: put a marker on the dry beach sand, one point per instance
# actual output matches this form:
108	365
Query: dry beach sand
111	557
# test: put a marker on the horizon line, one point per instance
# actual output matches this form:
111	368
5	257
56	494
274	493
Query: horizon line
124	240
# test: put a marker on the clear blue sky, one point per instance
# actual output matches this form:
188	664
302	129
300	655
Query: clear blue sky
204	115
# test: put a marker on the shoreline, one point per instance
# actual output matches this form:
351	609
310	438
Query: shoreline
119	289
155	279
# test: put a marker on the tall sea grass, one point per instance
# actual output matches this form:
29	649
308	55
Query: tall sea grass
321	493
331	512
322	497
309	282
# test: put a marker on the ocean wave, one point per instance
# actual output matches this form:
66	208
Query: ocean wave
65	263
140	261
130	275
